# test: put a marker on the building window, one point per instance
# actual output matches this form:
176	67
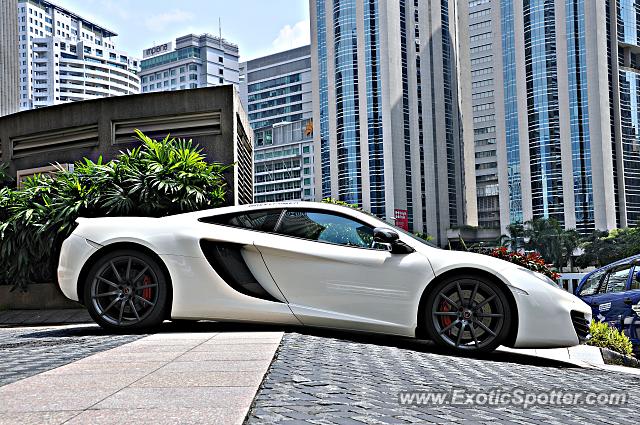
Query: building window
221	80
193	77
193	67
221	71
182	68
220	59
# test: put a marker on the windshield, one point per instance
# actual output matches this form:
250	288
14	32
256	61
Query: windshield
411	235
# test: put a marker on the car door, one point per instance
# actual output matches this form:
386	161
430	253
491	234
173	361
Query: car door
333	274
608	303
248	291
631	301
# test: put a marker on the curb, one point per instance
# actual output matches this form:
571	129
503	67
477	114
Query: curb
611	357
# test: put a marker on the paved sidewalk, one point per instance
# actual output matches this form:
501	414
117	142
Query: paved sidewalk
43	317
166	378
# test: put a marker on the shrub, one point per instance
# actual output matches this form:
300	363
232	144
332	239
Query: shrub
532	261
157	178
605	336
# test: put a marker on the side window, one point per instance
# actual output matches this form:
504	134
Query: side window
590	286
326	227
635	279
264	221
616	279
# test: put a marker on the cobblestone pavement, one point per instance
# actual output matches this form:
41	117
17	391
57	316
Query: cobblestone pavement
28	351
318	378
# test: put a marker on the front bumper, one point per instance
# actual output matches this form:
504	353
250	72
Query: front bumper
548	317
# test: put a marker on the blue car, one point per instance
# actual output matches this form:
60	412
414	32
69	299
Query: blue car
613	292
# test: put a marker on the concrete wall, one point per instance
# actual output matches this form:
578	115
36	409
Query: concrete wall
212	117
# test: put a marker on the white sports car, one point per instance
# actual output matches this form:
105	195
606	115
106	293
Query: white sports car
303	263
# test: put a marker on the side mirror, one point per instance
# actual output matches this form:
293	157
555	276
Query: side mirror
635	262
384	235
390	237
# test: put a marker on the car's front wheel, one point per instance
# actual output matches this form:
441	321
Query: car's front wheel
468	313
126	290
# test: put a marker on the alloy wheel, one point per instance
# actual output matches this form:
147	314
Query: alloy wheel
124	290
468	314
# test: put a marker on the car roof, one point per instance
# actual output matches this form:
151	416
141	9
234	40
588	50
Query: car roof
269	205
611	265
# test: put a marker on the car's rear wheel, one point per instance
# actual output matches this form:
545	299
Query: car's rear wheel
467	313
126	290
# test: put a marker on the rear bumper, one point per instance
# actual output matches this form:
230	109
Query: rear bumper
74	254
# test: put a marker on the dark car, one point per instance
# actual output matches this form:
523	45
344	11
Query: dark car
613	292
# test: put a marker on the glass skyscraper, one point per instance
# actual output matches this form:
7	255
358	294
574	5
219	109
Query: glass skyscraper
387	98
565	93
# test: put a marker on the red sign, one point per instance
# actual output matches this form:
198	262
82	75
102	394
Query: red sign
402	219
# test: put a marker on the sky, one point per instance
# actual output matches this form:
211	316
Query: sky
258	27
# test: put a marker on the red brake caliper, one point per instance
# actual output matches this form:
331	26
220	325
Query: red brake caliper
146	292
445	320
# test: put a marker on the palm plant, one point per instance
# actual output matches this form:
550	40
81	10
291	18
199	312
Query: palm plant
514	239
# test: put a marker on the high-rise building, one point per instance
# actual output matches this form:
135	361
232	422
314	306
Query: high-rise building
9	69
563	84
196	61
484	63
64	57
389	115
276	92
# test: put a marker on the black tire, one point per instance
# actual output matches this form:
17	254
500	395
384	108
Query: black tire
480	323
126	290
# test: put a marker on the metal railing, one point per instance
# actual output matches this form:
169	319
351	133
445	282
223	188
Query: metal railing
569	281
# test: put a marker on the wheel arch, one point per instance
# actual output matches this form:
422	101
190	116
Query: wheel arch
465	271
124	245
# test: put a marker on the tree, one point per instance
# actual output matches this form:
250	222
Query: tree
544	236
570	241
602	248
514	239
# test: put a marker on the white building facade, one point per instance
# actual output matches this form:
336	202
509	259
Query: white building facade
195	61
276	92
65	58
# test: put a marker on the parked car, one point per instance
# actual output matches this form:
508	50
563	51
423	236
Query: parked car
310	264
613	292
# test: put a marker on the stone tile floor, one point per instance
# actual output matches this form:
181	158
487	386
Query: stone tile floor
165	378
337	378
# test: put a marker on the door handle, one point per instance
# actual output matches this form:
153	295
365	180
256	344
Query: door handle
627	301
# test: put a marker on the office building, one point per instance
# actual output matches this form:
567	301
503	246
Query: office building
195	61
483	50
565	94
390	124
276	91
64	57
284	169
9	69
